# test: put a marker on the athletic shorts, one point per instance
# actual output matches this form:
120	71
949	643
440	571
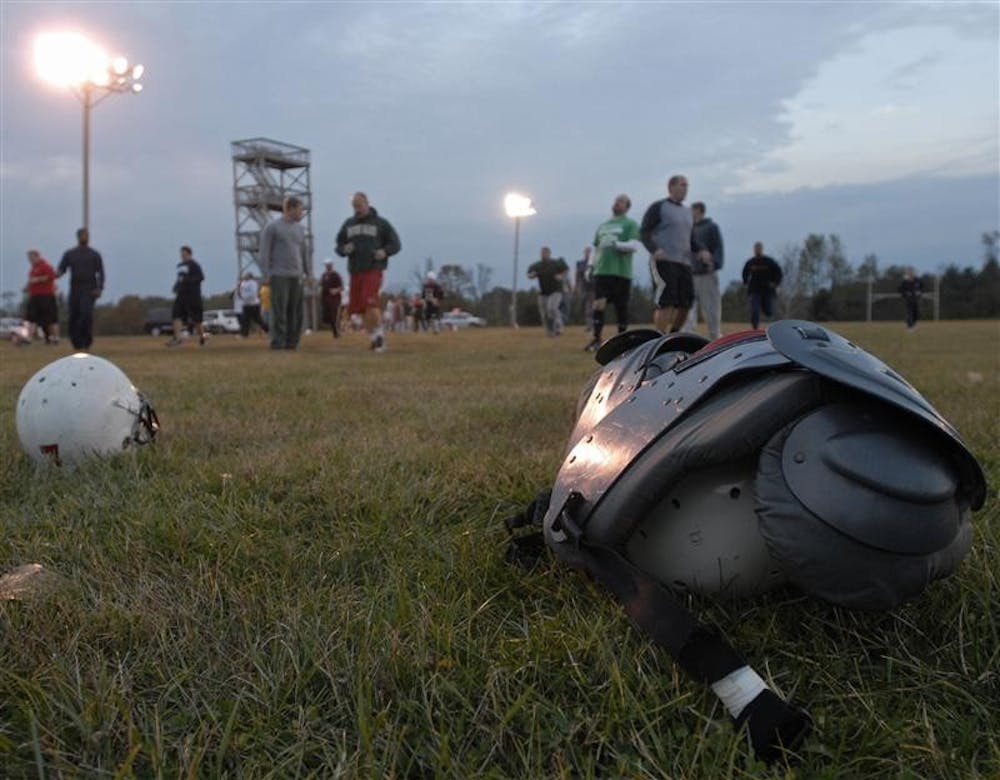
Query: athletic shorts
187	308
612	288
42	310
365	287
672	284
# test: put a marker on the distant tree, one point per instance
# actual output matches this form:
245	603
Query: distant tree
9	297
986	297
223	300
958	287
991	246
868	268
457	283
125	317
797	282
483	276
417	275
818	264
838	270
494	305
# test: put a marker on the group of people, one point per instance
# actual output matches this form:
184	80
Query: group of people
366	239
686	252
86	269
685	249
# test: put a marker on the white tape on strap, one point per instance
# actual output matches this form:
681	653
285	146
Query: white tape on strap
737	689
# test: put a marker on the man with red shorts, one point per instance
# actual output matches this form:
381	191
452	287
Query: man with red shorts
42	310
367	241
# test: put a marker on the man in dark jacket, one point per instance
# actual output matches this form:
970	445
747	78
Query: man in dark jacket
911	288
761	275
188	305
367	241
86	283
705	267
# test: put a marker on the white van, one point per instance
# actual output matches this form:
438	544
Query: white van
221	321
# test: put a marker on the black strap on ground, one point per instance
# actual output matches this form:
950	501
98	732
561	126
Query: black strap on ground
526	550
775	727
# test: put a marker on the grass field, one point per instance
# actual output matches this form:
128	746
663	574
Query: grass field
304	577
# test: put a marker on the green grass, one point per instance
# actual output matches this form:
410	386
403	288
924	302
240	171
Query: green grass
305	577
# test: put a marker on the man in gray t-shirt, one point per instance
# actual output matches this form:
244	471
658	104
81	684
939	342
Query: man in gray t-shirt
283	263
666	231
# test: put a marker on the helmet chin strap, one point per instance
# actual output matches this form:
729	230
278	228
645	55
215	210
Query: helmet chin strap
775	727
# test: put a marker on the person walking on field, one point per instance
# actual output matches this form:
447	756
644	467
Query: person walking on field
43	312
610	266
248	293
911	288
667	232
705	270
550	273
762	276
331	291
284	264
86	285
265	303
432	294
367	240
188	305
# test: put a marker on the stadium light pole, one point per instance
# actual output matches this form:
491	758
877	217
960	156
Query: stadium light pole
516	206
68	59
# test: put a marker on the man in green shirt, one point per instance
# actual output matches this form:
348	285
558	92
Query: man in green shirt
615	241
550	273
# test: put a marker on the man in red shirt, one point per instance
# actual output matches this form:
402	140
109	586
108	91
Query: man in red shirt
42	310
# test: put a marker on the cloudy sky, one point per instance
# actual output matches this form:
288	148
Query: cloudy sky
875	121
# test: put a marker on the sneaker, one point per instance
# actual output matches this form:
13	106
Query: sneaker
174	342
202	340
592	346
378	344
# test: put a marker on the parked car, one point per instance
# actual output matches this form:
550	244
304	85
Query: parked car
456	318
9	325
15	329
221	321
157	322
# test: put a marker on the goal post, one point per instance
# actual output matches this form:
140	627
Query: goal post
873	297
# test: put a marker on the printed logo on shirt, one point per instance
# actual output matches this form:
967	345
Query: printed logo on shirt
362	230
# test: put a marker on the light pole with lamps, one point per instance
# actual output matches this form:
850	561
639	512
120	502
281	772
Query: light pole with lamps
516	206
71	60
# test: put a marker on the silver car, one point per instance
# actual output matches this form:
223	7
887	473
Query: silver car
456	318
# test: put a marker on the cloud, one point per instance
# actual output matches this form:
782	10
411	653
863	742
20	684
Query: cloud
39	174
878	112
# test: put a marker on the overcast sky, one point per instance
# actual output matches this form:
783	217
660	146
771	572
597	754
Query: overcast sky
875	121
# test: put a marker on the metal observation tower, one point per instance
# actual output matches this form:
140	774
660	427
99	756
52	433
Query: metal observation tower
265	172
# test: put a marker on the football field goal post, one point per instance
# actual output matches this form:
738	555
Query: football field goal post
874	297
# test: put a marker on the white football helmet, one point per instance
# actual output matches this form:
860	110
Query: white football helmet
80	406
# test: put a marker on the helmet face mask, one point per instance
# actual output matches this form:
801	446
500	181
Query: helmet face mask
79	407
